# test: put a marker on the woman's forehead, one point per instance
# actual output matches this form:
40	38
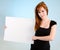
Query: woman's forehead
41	8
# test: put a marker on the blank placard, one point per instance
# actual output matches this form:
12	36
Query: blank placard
19	29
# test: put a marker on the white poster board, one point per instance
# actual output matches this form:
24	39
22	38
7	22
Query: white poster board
19	29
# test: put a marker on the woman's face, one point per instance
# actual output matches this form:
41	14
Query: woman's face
42	13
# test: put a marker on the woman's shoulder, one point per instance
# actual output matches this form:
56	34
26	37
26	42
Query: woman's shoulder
53	22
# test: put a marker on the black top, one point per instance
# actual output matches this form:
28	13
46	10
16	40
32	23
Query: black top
43	32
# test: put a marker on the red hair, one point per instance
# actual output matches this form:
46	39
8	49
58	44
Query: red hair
37	18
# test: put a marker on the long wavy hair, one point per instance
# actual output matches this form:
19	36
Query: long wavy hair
37	18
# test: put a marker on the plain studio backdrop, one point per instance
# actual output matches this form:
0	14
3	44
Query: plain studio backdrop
25	9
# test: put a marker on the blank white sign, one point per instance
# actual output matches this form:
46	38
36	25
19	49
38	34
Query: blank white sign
19	29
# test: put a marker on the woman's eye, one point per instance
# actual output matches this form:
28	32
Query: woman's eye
42	11
39	12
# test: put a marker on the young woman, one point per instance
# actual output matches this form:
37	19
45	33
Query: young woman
45	28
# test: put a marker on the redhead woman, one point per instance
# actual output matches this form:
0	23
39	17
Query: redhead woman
45	28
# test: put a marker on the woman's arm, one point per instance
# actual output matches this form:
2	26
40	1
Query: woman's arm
49	37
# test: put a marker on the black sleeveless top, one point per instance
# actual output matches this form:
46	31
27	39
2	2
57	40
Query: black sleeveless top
40	44
43	32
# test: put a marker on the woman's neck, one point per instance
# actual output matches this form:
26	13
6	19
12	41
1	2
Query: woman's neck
46	19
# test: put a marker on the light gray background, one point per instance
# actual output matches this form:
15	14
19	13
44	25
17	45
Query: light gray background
25	9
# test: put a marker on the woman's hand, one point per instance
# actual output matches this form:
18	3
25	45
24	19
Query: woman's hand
34	38
5	27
